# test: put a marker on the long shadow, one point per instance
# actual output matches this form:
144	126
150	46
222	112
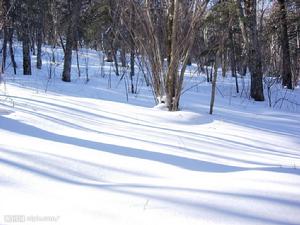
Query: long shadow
71	111
69	166
205	139
183	133
289	127
91	182
178	161
258	123
218	210
137	190
180	133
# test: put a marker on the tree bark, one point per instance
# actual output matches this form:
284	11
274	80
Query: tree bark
214	84
8	36
172	58
254	53
39	35
5	8
123	56
245	46
223	55
233	58
132	48
286	61
11	50
71	36
26	54
4	49
26	39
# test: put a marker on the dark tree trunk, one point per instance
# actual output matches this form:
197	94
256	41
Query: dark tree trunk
26	38
4	49
33	43
39	51
132	71
123	56
232	53
233	58
132	49
255	63
286	61
189	62
214	84
211	71
223	56
5	8
26	54
61	43
244	58
39	35
77	60
116	62
109	56
66	76
71	36
11	50
8	36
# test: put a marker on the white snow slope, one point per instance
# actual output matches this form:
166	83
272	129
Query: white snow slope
80	154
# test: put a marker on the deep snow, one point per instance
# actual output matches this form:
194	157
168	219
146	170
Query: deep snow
80	153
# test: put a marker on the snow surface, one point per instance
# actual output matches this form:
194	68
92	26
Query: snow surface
80	153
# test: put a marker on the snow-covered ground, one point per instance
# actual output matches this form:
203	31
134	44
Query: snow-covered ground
82	153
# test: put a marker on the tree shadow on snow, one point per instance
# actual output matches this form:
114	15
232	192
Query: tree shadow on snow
170	159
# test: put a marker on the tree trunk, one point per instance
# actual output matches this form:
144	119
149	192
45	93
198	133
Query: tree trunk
4	49
39	51
32	42
77	60
66	76
5	8
71	36
109	56
26	38
245	46
172	58
286	61
116	61
168	80
233	58
255	64
223	53
11	50
123	56
39	35
232	53
26	54
214	84
8	35
132	47
132	70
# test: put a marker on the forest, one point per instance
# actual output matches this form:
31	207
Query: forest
142	112
260	37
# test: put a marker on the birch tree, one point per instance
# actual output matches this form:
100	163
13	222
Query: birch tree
183	19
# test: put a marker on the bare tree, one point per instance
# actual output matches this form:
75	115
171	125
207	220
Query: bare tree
39	33
71	36
184	17
25	6
286	61
254	52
